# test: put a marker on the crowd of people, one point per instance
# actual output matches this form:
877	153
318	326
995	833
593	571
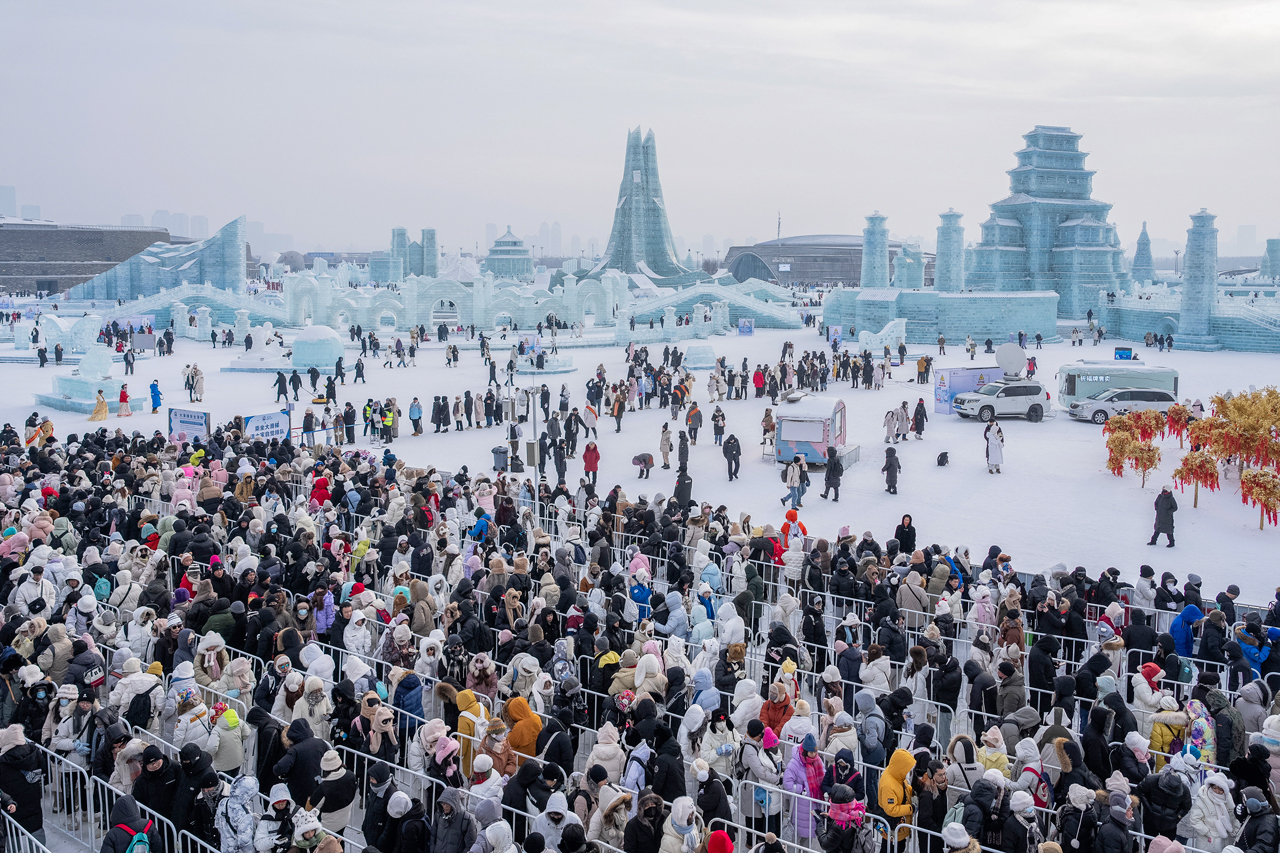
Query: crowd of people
279	647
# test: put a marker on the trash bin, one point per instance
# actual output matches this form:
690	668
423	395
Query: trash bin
500	458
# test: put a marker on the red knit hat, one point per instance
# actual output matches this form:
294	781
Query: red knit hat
719	842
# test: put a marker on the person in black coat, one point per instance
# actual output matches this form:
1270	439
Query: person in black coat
982	695
985	812
1041	669
337	787
381	787
554	744
713	801
157	784
1260	833
1122	721
1166	799
644	831
891	639
905	533
668	776
192	764
1213	640
1095	743
17	757
300	766
1239	673
945	680
1139	639
410	833
849	662
125	813
1113	836
515	796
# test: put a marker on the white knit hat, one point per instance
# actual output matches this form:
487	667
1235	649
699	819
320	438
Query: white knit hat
955	836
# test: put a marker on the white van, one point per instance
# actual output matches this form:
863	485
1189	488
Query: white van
1105	405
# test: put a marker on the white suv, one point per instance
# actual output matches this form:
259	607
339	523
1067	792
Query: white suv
1102	406
1003	398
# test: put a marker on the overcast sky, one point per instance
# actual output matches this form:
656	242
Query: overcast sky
336	121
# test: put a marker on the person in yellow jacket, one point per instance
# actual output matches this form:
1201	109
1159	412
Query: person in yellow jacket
387	420
472	721
894	794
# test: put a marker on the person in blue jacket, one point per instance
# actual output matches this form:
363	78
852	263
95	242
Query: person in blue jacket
481	529
155	396
1181	629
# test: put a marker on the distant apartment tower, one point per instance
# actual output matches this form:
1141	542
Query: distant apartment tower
30	211
8	201
199	227
490	235
420	257
133	220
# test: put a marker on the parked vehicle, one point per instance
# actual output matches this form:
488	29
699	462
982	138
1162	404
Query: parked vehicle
1024	398
1105	405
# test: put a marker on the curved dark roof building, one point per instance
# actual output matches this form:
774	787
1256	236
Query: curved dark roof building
808	259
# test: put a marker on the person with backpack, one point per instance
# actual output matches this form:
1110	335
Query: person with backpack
138	697
1031	776
130	832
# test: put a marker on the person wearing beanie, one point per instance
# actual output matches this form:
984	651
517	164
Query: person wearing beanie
762	767
334	795
377	814
804	775
956	840
1113	835
719	842
1021	829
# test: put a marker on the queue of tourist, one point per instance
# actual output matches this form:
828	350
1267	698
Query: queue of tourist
260	647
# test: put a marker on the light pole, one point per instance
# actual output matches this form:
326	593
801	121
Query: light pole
1176	252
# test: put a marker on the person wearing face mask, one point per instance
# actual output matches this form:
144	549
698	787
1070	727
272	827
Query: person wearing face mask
72	717
644	831
382	786
275	829
1113	835
1022	831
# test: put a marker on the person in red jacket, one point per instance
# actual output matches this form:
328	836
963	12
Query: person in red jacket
591	461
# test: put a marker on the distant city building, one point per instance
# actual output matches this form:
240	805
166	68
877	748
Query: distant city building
509	258
420	257
42	255
809	259
1049	234
30	211
199	227
132	220
9	202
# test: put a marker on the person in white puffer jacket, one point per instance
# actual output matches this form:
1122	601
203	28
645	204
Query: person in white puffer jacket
127	592
356	636
720	744
608	753
194	724
137	634
136	682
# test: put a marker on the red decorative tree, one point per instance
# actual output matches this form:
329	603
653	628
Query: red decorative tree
1262	488
1200	469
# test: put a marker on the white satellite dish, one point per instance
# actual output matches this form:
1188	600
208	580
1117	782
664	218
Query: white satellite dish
1011	358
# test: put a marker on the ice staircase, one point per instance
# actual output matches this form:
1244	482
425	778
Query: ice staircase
769	315
222	303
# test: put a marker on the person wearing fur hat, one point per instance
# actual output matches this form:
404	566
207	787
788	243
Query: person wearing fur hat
310	836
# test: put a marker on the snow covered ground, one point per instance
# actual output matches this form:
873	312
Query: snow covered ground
1054	503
